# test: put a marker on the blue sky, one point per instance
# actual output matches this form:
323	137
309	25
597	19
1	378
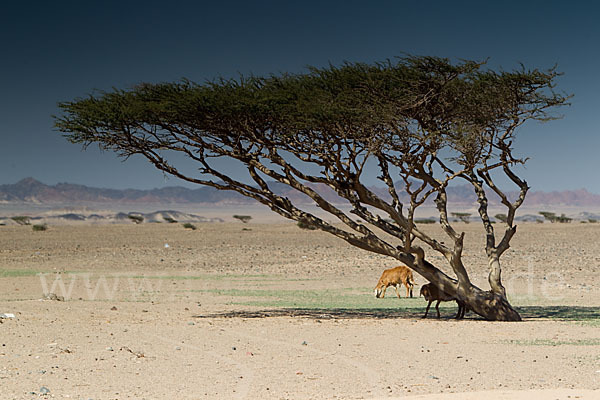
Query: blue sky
56	51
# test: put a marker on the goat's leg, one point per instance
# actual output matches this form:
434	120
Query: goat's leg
407	291
411	290
460	313
397	292
383	294
427	309
437	307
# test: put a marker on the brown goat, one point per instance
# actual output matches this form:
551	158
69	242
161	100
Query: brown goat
432	293
395	277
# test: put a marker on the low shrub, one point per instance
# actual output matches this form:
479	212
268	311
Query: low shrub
306	225
40	227
244	218
425	221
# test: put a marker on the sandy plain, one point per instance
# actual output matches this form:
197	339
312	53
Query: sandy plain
267	310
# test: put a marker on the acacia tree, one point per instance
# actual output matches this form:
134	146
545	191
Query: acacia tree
423	121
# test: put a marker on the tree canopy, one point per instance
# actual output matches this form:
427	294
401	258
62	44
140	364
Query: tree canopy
425	121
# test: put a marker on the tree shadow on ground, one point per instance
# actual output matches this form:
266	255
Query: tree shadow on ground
317	313
566	313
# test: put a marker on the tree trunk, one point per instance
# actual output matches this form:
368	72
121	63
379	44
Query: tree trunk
488	304
495	278
491	306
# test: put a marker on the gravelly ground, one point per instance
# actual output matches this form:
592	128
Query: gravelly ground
142	320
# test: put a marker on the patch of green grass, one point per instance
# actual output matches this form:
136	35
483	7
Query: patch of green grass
551	342
14	273
589	322
347	298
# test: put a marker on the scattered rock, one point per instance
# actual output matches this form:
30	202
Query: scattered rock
7	316
53	297
138	354
304	343
113	308
191	323
44	390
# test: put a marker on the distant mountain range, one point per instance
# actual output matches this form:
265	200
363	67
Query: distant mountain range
31	191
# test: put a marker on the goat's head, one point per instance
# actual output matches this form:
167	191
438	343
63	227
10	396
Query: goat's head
424	291
378	290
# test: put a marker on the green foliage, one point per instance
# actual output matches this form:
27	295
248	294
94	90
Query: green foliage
501	217
548	216
374	104
170	220
187	225
592	220
137	219
22	220
244	218
306	225
564	219
40	227
464	217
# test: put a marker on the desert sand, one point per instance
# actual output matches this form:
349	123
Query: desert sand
249	311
